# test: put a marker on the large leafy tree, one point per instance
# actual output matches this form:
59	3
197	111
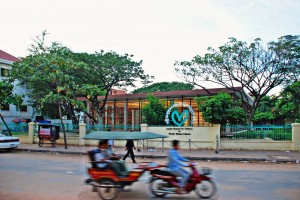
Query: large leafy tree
254	67
154	111
164	87
55	74
103	71
46	75
221	109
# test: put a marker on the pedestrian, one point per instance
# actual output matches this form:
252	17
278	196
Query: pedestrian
129	147
110	142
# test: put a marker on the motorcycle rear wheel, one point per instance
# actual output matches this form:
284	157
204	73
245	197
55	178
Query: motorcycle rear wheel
206	189
157	184
108	190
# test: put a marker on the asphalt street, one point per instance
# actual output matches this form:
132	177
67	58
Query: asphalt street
33	176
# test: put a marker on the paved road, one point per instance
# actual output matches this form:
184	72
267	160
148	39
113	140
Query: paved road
40	176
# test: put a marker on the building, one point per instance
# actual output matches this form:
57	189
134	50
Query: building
9	112
123	111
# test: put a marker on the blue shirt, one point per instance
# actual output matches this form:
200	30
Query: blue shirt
176	160
111	142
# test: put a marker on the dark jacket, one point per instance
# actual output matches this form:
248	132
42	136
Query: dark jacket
129	144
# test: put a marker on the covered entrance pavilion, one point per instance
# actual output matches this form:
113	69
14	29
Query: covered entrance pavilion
123	111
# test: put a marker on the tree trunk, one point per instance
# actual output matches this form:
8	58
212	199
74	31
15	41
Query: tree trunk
5	124
62	124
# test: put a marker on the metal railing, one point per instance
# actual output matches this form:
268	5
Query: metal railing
15	128
274	132
104	127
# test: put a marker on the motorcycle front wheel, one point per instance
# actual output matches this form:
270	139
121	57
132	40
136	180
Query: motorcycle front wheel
107	189
206	189
157	184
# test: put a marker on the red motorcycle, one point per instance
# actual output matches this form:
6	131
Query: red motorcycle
163	182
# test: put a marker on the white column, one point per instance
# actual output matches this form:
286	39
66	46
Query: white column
132	119
30	132
125	114
113	117
82	133
296	136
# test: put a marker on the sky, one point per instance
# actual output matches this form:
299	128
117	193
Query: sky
159	32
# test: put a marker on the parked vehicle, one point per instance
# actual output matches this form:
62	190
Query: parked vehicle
163	182
8	142
48	132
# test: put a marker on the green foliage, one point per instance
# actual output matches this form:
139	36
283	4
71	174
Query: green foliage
164	87
288	105
154	112
221	109
256	68
47	74
266	111
7	96
56	75
287	49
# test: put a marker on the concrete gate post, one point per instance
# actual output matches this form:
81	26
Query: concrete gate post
82	133
30	132
296	136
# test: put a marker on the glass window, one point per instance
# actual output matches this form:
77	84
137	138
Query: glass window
23	108
4	72
5	107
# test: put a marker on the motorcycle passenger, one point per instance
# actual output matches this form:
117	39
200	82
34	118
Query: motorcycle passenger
176	164
105	154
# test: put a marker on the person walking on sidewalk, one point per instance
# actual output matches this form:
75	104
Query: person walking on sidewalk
129	147
110	142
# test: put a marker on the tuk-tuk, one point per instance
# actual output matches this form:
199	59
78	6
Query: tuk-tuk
48	132
105	180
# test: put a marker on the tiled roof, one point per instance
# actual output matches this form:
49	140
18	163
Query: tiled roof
7	56
170	94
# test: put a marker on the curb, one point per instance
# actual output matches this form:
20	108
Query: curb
209	159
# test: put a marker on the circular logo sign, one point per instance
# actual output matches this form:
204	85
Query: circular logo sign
180	118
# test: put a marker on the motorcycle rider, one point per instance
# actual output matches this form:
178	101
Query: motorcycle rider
105	154
176	164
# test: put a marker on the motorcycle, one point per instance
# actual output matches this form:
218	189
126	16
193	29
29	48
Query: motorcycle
164	182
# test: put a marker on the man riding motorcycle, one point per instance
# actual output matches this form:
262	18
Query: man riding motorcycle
176	164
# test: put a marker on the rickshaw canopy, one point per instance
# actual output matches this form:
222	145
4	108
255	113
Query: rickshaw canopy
122	135
48	124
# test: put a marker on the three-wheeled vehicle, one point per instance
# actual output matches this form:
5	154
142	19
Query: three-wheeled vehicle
105	180
48	132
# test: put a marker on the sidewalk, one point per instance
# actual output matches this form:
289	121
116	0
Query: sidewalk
206	155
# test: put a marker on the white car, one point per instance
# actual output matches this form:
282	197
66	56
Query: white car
8	142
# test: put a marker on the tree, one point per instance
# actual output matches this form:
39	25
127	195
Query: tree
288	104
103	71
46	75
266	111
164	87
287	49
221	109
55	74
154	112
255	68
8	97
